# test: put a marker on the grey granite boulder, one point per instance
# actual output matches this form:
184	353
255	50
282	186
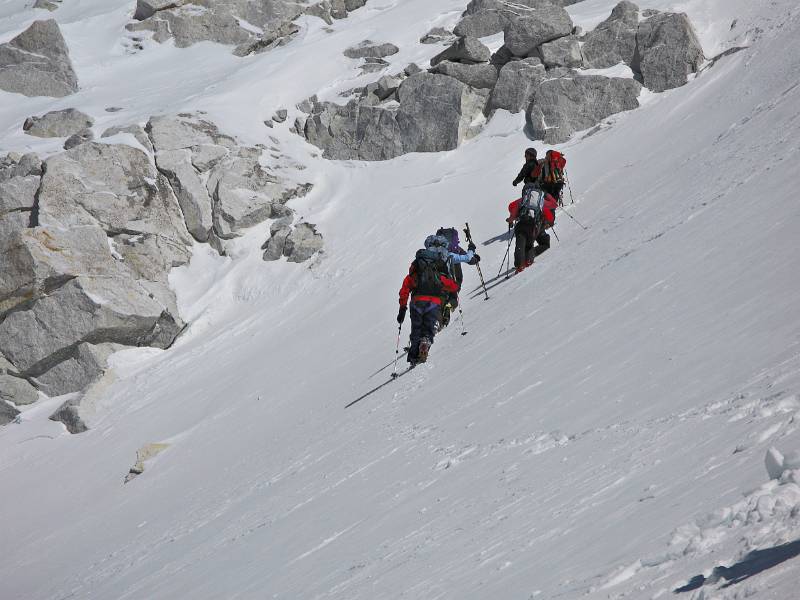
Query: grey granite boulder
667	51
58	123
13	387
370	49
37	63
565	105
614	40
466	50
515	85
19	165
50	5
135	130
280	115
488	17
297	244
85	364
85	309
563	52
147	8
482	75
302	243
7	412
18	194
76	139
189	189
69	414
435	113
545	23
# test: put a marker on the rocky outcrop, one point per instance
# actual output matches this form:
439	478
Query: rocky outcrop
76	139
434	112
614	40
515	85
465	50
37	63
58	123
667	51
297	244
522	36
144	454
572	103
221	187
370	49
250	26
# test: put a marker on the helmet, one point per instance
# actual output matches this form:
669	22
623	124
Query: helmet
433	241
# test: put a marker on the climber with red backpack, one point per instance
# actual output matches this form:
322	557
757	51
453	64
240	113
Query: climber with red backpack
429	284
531	216
552	174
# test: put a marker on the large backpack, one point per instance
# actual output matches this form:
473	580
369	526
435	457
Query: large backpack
553	167
427	267
529	203
451	234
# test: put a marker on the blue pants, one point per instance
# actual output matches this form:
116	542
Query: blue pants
424	320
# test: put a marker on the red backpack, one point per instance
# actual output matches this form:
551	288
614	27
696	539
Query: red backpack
553	167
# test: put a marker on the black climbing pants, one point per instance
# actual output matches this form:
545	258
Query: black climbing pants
424	322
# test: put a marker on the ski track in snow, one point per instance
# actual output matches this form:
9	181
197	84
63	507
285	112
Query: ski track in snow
600	432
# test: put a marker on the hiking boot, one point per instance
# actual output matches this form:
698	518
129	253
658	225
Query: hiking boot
424	347
520	269
528	263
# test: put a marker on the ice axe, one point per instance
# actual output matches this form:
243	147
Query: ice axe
480	273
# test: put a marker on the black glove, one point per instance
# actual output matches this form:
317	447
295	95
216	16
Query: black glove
515	183
475	260
401	315
472	246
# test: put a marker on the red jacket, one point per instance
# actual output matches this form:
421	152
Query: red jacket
548	210
410	284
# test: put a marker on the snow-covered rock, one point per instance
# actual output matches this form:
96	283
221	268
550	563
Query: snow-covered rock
488	17
438	35
37	62
370	49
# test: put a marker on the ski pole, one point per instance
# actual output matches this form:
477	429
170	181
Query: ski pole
397	351
510	237
461	317
480	273
553	228
570	188
573	218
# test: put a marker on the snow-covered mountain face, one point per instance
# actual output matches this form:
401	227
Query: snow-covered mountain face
619	421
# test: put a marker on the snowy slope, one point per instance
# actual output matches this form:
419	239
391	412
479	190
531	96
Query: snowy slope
601	430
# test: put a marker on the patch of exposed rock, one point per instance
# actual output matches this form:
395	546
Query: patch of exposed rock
564	105
667	51
37	63
57	123
370	49
488	17
297	244
433	112
250	26
614	40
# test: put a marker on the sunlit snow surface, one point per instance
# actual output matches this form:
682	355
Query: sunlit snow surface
601	430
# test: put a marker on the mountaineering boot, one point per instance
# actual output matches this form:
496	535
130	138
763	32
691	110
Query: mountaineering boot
424	347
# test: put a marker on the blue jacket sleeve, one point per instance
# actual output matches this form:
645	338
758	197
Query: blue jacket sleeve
462	258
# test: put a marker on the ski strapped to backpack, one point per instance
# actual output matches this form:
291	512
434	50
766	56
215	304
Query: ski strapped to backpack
553	167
